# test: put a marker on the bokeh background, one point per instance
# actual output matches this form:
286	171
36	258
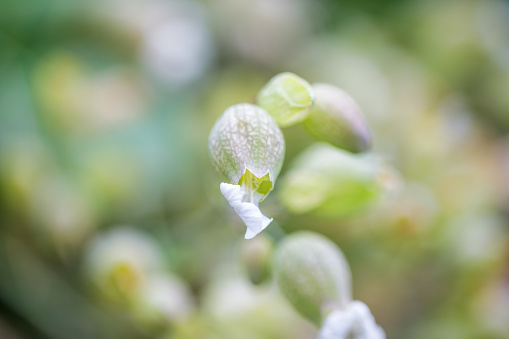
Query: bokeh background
112	223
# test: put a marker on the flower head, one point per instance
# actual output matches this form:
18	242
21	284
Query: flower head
247	146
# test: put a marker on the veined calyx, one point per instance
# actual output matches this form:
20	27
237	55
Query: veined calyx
247	146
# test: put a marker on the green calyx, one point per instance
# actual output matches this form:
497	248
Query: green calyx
313	274
247	146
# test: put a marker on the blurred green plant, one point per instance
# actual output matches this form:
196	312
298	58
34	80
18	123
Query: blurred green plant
330	182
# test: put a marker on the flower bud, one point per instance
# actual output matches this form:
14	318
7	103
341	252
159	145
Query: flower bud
330	182
247	146
287	97
313	274
337	119
353	322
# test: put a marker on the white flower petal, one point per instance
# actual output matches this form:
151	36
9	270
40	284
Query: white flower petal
249	212
356	321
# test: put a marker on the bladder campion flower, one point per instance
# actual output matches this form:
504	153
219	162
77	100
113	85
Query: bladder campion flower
287	97
247	146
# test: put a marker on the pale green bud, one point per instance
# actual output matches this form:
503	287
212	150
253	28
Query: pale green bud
328	181
287	97
336	118
247	146
313	274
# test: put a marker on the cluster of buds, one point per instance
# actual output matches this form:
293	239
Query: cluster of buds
247	146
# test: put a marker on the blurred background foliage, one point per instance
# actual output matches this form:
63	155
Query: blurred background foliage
112	223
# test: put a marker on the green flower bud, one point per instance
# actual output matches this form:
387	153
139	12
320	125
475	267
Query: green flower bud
247	146
337	119
330	182
287	97
313	274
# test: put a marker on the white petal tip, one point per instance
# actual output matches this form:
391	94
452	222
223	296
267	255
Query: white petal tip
250	234
249	213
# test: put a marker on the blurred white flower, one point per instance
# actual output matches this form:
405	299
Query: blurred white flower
243	310
120	261
263	31
177	51
354	322
175	44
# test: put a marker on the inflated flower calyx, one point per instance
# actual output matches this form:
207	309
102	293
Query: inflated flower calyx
352	322
313	274
329	182
247	146
337	119
287	97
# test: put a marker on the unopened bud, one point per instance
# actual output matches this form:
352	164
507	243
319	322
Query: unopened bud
337	119
287	97
330	182
313	274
